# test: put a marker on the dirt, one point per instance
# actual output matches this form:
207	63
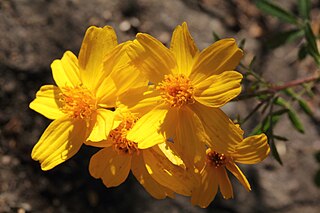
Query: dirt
33	34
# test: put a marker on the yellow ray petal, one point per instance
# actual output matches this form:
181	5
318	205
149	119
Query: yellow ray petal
183	48
111	167
60	141
151	57
100	144
221	56
149	131
224	183
217	90
235	170
153	187
169	151
252	150
164	172
47	102
224	134
127	77
102	124
117	76
205	193
140	100
96	44
191	137
66	71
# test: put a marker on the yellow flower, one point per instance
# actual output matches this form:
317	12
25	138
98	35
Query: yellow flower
151	167
251	150
186	85
81	104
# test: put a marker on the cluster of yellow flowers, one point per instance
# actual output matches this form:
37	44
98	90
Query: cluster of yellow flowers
152	110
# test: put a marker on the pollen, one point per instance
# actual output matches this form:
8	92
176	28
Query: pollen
119	136
77	102
176	90
216	159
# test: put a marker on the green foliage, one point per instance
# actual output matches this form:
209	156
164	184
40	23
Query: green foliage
304	7
282	99
276	11
284	37
301	28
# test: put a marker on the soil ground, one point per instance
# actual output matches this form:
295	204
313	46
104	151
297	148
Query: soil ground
33	34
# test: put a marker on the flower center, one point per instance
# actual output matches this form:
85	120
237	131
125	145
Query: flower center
119	136
216	159
176	90
77	102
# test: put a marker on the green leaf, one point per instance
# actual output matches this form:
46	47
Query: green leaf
280	112
281	102
311	39
291	93
256	130
305	107
242	43
274	150
216	37
280	138
284	37
266	124
252	62
295	121
304	7
274	10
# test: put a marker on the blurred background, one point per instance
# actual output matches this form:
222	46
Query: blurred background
34	33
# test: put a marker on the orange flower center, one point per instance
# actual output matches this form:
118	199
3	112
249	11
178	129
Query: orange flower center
119	136
77	102
216	159
176	90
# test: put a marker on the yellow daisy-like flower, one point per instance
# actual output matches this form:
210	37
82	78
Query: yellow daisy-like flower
151	167
81	103
187	85
251	150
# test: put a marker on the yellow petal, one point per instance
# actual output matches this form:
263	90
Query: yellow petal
224	183
252	150
191	137
151	57
217	90
124	75
127	77
153	187
232	167
96	44
167	174
169	151
224	134
60	141
100	144
66	71
148	131
183	48
140	100
102	125
111	167
205	193
47	102
221	56
118	76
